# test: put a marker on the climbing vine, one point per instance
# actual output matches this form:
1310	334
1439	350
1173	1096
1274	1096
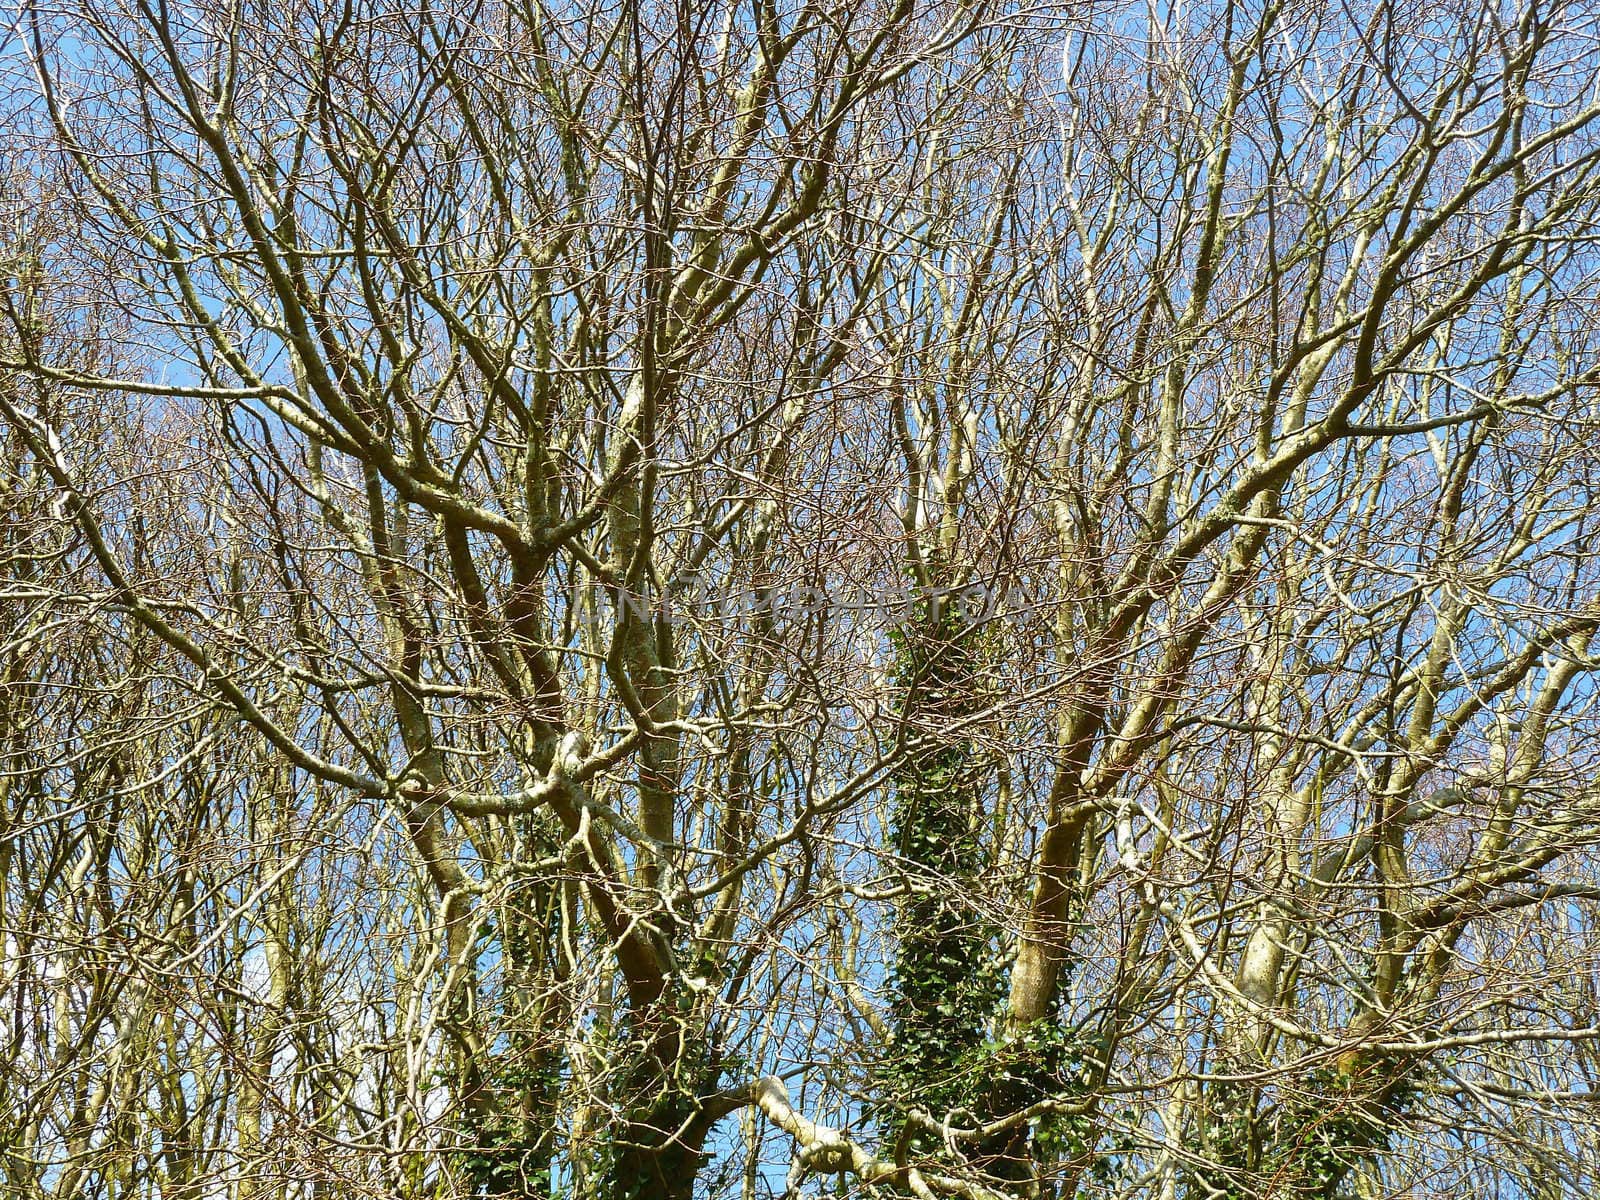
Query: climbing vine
1306	1145
945	982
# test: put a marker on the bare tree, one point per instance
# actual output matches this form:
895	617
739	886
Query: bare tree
647	602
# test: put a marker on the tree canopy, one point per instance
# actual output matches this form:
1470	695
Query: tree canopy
933	597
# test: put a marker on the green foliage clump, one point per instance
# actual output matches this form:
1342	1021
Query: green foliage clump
1308	1145
950	1058
511	1097
512	1138
945	983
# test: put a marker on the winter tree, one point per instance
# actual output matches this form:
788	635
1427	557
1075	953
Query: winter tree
933	598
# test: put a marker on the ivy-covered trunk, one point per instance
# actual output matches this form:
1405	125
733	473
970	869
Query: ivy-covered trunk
513	1142
945	982
1303	1142
653	1167
511	1079
955	1056
665	1068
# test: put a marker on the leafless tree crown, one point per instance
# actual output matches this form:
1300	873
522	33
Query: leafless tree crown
643	601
